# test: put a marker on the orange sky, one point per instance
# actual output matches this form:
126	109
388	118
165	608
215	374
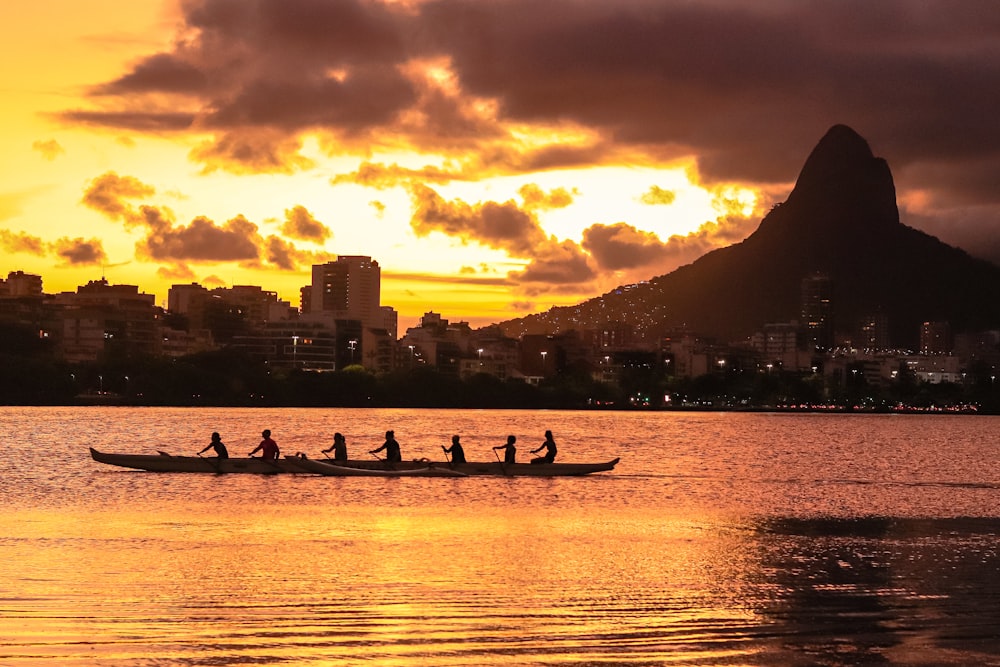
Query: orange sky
495	158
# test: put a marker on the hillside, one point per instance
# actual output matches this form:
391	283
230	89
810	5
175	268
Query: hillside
840	219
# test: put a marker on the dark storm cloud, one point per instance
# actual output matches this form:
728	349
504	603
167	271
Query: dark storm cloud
251	152
463	279
507	226
139	121
109	194
284	255
504	226
622	246
557	264
746	87
163	72
20	242
369	96
202	240
79	252
300	224
70	252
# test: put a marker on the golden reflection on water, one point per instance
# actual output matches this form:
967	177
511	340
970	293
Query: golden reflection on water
755	544
268	585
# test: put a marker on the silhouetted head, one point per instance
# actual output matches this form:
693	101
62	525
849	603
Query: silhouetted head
454	439
338	436
216	436
548	435
511	440
389	434
266	433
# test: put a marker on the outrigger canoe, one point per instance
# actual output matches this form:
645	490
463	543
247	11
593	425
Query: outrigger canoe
164	462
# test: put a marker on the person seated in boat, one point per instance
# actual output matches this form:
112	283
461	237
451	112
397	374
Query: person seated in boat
510	451
216	444
339	447
456	450
550	450
391	448
267	447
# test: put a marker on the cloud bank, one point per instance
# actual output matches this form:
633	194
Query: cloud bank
512	87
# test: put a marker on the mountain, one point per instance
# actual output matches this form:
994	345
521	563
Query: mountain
840	220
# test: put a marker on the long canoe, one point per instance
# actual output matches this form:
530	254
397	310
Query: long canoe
164	462
331	469
557	469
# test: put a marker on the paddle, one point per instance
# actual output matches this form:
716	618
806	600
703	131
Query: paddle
446	456
272	463
215	466
502	466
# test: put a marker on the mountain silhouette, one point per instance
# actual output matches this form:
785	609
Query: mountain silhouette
840	220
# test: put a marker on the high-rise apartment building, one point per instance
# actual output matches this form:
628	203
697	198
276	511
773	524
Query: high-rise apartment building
875	332
817	311
349	288
935	338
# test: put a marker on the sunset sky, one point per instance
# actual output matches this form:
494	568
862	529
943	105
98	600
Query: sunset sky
496	157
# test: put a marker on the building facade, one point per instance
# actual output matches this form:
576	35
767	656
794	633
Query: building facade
349	289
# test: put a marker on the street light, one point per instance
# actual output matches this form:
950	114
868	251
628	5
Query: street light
543	362
352	344
295	347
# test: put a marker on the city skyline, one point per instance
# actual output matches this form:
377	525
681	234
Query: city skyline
542	163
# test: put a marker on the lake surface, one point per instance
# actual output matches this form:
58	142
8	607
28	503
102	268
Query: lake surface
720	539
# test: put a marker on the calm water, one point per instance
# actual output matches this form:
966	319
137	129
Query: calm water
720	539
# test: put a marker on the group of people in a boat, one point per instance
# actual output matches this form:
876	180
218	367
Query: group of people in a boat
269	448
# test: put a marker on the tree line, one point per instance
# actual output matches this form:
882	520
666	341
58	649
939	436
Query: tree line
32	375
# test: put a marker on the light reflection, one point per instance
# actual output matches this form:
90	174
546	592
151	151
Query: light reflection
708	548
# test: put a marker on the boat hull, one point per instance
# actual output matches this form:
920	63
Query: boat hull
332	469
494	468
164	462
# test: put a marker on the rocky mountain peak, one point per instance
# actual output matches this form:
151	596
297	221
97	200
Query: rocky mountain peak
842	188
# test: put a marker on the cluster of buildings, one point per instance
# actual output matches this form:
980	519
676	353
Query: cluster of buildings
813	344
341	322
